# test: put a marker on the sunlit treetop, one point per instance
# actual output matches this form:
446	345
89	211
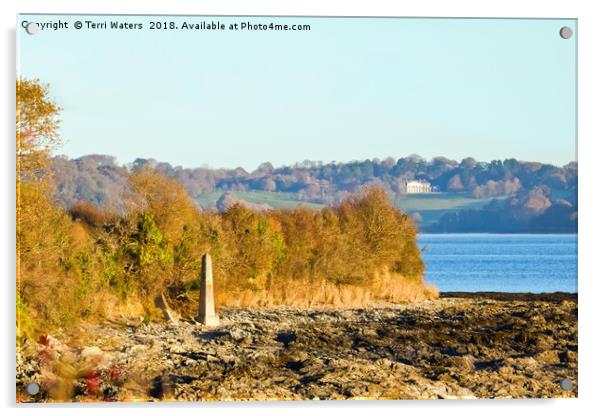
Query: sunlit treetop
37	123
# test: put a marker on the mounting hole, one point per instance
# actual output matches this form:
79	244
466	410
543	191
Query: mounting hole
32	28
566	384
32	389
566	32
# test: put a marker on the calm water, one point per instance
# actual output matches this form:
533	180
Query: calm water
501	262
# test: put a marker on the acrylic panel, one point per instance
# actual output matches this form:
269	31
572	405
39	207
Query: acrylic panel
217	208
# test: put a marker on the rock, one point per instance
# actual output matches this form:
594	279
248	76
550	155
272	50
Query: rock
545	342
449	348
237	334
463	362
212	358
137	350
548	357
525	362
91	353
568	357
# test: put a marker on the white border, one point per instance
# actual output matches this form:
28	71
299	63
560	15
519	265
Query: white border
590	94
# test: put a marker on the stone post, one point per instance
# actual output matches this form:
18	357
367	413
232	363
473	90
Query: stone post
207	314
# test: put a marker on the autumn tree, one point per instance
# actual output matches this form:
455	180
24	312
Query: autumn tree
36	131
255	246
37	125
47	240
165	198
381	235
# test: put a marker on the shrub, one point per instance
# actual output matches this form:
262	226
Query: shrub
255	248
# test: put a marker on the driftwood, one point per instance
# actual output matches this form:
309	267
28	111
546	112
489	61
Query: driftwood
161	302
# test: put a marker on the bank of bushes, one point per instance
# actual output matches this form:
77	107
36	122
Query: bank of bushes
88	263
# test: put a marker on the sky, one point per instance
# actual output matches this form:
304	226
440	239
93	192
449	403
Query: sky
348	89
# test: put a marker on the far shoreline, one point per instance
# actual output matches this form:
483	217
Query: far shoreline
493	233
513	296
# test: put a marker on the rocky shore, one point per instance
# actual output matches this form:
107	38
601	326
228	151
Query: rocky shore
460	346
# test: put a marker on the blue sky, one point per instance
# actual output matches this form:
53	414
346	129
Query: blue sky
349	89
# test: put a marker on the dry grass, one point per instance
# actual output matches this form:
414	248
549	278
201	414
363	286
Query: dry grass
388	288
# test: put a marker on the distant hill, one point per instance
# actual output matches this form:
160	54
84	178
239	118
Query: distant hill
472	196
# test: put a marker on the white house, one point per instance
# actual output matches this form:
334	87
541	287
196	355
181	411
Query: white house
418	187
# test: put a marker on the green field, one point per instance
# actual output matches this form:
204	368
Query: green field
430	206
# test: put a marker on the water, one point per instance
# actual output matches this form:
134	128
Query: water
501	262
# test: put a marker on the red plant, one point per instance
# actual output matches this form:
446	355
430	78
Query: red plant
93	382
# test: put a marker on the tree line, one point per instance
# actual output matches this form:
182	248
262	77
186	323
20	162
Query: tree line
532	211
95	178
